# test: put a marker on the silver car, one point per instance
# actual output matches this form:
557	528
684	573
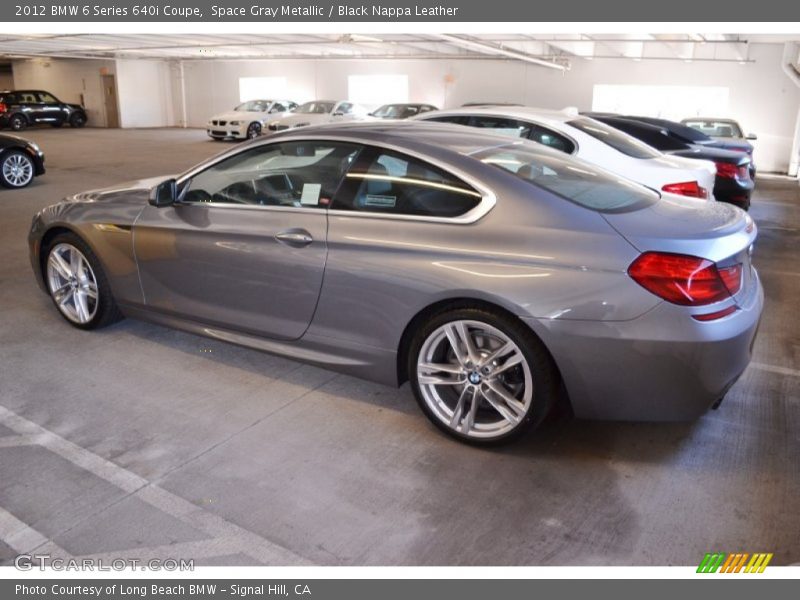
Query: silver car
486	271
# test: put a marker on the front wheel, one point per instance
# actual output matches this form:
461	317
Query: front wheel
253	131
77	284
16	169
482	377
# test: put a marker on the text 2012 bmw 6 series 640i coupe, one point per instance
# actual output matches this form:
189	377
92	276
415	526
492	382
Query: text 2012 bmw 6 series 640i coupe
485	270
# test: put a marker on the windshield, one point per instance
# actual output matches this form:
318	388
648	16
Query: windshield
618	140
253	106
315	108
396	111
716	128
572	179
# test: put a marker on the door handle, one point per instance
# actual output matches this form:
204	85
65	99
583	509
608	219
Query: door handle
294	237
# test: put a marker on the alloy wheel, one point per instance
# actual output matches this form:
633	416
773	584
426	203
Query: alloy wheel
253	131
18	170
72	283
475	379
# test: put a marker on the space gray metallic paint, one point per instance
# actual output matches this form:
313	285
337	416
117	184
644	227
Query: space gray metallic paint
344	300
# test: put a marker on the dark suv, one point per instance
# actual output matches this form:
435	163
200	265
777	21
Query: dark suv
20	108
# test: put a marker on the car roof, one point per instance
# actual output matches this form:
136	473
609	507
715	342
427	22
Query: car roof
408	134
710	119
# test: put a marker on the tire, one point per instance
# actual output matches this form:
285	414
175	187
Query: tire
16	169
71	294
468	405
17	123
253	131
77	120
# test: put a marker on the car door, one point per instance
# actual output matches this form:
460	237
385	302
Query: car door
51	110
32	106
245	246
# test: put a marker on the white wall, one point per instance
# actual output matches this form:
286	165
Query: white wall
145	92
761	97
68	80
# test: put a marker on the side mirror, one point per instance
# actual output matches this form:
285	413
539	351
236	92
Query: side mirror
164	194
751	136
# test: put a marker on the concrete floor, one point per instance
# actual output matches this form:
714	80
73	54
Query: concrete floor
139	441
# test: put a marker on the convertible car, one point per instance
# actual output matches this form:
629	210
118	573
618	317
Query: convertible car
483	269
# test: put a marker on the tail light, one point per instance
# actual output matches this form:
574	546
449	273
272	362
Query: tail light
731	171
3	107
685	280
687	188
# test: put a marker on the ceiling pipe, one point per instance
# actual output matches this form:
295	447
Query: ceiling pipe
498	51
789	64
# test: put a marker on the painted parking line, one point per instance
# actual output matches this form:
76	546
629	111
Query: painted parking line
22	538
233	538
776	369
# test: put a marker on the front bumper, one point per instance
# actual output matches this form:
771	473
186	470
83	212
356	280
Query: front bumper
662	366
226	131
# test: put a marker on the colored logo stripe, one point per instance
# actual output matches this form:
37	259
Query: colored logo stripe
734	563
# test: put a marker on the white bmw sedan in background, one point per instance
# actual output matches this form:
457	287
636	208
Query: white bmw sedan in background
592	141
248	120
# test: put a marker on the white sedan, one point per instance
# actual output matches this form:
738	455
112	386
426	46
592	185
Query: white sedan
247	120
319	112
594	142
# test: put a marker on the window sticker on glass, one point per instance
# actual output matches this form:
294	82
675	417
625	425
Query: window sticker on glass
310	195
380	201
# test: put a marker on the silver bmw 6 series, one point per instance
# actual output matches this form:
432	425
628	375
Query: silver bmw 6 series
490	273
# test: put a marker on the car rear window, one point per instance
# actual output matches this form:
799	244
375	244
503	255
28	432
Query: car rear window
569	178
613	137
714	128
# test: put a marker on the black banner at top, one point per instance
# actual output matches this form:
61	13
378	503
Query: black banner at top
441	11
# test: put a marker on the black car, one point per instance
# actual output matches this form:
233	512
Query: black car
21	108
20	161
733	183
693	136
401	111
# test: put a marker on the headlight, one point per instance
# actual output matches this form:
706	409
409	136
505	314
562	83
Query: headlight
234	122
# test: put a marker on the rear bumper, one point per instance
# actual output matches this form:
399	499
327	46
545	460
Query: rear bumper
733	191
662	366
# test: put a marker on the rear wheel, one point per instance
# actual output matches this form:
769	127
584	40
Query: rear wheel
16	169
17	123
482	377
77	120
77	284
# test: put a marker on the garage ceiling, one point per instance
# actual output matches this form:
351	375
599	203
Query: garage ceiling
555	51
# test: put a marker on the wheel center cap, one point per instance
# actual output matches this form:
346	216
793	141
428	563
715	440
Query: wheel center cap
474	378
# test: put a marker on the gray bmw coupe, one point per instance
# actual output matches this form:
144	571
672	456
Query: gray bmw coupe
484	270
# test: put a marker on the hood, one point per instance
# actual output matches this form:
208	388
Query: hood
75	106
122	190
246	115
705	228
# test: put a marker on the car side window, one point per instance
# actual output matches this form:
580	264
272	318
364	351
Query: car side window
457	119
387	182
47	98
502	125
548	137
27	98
301	174
345	108
277	107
